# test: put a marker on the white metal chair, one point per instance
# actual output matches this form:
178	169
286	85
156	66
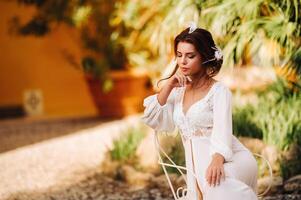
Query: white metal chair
182	193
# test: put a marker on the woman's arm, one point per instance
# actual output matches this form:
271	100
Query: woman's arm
158	112
164	93
221	137
177	80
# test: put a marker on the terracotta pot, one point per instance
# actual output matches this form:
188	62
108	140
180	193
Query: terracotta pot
126	97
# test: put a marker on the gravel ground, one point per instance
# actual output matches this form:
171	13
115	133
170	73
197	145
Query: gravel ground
61	165
60	160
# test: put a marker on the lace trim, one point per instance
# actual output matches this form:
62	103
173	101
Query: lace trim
200	132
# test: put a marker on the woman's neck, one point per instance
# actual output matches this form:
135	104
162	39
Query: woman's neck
198	82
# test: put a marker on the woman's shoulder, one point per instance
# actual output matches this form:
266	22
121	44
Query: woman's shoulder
222	89
175	92
222	86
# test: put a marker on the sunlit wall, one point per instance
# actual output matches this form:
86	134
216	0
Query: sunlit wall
31	63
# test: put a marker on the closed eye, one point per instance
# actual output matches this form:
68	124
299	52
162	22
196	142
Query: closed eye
189	55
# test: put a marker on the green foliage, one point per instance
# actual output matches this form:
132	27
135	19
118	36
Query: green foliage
91	66
177	154
280	121
291	166
279	117
244	122
260	32
276	116
267	30
146	31
276	119
124	148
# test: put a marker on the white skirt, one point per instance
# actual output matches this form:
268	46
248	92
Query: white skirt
240	174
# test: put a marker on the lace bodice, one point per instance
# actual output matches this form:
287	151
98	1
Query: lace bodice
198	119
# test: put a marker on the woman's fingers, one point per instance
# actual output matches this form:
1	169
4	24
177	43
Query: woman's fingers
210	176
213	179
181	79
223	176
218	177
178	78
214	176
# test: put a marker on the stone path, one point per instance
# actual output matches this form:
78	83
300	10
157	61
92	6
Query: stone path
66	165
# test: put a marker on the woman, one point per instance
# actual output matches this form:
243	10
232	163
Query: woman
200	107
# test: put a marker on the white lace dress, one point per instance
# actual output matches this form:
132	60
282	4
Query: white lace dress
206	128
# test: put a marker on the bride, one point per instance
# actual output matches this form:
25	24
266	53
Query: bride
201	108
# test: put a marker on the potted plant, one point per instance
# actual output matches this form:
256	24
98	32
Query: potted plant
117	90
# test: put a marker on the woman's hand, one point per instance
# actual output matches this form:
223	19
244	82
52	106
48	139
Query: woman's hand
215	171
178	79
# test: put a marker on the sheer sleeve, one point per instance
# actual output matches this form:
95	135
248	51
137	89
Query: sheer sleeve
157	116
221	137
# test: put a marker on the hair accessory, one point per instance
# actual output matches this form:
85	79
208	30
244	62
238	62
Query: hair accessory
218	55
192	26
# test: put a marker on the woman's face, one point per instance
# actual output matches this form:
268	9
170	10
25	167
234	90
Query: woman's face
188	59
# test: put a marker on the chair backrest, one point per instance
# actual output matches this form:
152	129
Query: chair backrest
177	194
271	174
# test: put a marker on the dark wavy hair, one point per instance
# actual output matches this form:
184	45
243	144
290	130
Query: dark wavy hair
204	44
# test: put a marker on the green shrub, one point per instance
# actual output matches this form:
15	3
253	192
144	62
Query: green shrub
280	121
290	165
276	119
278	114
177	154
124	148
244	123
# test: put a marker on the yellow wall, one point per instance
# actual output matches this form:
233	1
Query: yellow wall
38	63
